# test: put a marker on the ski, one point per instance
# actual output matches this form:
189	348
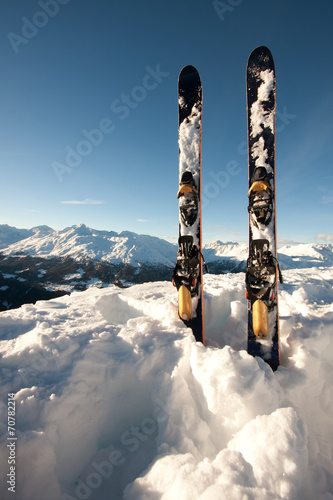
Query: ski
262	272
187	274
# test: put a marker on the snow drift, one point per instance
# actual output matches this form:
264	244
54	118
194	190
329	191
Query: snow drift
114	398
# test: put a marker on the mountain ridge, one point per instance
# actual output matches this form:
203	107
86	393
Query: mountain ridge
41	263
126	247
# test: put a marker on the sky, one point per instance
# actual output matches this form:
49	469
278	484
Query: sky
89	113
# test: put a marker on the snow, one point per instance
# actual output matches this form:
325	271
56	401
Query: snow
114	398
259	117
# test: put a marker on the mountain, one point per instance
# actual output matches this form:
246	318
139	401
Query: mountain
226	257
82	242
41	263
305	256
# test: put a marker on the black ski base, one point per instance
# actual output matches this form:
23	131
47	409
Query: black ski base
255	348
196	323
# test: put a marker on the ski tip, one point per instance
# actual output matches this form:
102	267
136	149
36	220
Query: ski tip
261	55
262	50
186	70
189	73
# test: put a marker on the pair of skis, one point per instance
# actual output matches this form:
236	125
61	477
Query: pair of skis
262	267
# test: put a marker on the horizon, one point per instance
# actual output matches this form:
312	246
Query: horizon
89	120
280	243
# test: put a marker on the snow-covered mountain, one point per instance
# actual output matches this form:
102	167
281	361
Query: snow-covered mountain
225	257
41	263
297	256
305	255
81	242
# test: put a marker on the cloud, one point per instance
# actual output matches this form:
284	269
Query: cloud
324	236
142	220
327	198
287	241
87	201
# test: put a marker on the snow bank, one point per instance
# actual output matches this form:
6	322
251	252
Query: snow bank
114	398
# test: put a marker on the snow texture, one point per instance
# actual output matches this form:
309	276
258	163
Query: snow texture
260	118
115	399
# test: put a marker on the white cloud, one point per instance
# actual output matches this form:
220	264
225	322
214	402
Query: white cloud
87	201
327	198
324	236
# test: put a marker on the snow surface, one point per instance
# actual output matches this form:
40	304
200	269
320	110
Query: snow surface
115	399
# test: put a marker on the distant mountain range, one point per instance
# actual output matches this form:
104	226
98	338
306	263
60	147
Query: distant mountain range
41	263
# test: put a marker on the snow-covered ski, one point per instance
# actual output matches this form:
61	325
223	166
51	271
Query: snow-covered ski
262	267
187	274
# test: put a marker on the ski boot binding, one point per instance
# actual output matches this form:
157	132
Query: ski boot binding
260	284
185	275
260	198
188	199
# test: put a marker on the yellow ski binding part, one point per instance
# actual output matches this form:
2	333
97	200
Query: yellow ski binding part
184	303
260	319
259	186
185	188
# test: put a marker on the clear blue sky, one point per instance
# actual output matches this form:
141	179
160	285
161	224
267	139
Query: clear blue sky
69	66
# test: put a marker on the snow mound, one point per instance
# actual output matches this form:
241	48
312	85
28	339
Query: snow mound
114	396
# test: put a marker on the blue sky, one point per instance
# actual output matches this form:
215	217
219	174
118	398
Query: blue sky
89	113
